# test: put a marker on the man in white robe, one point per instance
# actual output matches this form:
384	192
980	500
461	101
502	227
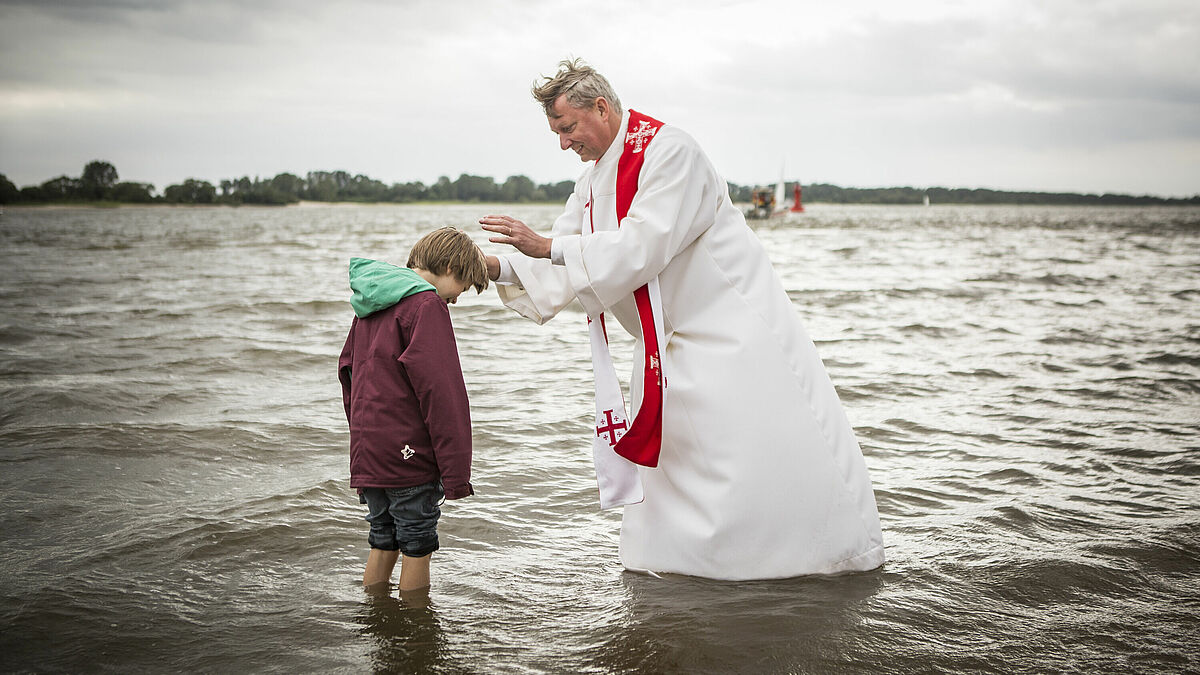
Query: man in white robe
760	475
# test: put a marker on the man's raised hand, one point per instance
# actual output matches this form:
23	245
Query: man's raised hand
513	232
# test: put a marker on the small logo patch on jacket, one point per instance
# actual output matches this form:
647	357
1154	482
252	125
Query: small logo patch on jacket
407	451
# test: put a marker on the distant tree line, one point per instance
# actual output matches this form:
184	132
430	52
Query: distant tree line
99	183
822	192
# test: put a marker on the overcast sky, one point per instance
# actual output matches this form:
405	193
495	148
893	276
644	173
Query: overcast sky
1047	95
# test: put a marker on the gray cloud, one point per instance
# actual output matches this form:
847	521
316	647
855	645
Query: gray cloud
1066	52
413	90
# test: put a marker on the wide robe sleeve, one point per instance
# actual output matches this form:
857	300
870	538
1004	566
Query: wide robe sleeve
431	362
544	289
677	199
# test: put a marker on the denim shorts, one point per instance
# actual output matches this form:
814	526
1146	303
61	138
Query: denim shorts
404	519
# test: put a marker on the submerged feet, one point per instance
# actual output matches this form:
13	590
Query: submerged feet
414	575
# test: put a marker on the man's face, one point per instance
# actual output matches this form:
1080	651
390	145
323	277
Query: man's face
587	131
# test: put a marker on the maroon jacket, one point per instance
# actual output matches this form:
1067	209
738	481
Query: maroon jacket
405	398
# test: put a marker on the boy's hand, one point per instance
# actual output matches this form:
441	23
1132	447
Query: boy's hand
516	234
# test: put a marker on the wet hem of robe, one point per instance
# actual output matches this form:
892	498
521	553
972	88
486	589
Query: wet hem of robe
866	561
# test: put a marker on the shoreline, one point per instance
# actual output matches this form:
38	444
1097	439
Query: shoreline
311	204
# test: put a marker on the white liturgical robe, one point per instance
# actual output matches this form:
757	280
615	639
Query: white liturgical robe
760	475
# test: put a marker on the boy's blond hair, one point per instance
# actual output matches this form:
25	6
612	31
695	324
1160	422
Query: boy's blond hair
448	250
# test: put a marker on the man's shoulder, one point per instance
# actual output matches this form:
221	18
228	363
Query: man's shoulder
669	134
672	145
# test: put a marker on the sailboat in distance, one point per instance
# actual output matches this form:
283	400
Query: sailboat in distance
767	202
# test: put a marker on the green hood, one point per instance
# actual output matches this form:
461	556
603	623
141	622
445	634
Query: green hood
378	285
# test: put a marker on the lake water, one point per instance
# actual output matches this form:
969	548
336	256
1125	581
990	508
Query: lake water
1025	383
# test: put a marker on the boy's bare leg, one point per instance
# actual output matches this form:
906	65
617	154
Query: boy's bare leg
380	564
414	573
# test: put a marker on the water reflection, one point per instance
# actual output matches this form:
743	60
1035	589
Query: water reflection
406	631
680	624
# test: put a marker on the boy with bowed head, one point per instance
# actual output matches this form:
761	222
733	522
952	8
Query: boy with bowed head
406	401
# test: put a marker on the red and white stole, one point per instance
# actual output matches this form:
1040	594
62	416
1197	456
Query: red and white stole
619	445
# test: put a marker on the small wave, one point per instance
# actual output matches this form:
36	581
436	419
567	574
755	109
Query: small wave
1144	508
33	404
1043	582
266	360
918	501
1049	280
1161	553
1113	361
929	331
277	310
16	334
805	298
997	278
1171	359
1042	522
1057	368
1073	280
1091	302
986	373
895	390
964	293
1011	476
1152	388
274	526
1077	336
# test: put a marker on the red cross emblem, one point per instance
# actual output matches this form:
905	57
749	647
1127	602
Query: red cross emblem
612	428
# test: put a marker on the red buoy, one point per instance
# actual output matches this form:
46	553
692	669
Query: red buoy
797	207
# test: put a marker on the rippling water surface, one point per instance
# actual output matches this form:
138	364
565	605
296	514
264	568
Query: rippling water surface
1025	383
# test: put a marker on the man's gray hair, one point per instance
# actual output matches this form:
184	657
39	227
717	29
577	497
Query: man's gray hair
580	82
